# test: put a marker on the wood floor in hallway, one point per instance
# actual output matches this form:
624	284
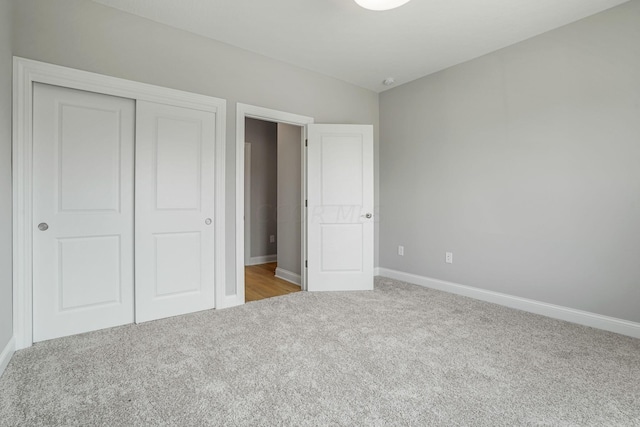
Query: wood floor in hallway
261	283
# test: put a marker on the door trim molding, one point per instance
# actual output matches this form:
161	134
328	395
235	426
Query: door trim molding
26	72
243	111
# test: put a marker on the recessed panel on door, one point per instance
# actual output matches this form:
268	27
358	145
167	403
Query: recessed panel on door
82	211
340	207
341	170
177	264
178	163
98	282
174	210
341	247
89	151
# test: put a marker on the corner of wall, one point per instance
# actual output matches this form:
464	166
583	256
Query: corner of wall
7	343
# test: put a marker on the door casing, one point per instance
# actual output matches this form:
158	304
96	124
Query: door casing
25	73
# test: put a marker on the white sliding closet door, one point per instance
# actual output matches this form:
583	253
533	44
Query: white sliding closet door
83	146
174	210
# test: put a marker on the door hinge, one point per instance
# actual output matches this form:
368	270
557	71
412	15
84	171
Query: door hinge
306	203
306	142
306	264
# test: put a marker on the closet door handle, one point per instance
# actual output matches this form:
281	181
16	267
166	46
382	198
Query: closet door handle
43	226
208	221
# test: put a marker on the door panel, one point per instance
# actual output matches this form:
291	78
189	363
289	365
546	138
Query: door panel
98	282
89	153
178	165
340	195
83	191
174	211
341	247
341	171
177	263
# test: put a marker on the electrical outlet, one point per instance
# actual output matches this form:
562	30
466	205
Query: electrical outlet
448	257
272	239
401	250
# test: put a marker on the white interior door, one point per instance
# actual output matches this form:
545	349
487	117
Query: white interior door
83	275
340	207
174	226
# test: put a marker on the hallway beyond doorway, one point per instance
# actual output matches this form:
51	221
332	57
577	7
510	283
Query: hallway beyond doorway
261	283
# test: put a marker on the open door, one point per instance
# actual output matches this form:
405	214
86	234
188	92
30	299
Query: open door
340	207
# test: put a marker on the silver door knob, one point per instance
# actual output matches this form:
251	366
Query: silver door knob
43	226
208	221
368	215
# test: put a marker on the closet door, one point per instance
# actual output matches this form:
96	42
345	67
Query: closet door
82	211
174	226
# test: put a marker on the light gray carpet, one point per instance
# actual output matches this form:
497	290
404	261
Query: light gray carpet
400	355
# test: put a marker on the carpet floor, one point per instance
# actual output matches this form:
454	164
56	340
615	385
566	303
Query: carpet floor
400	355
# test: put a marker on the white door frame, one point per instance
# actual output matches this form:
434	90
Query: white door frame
25	73
242	112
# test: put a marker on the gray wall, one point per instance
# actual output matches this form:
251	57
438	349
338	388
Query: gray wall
263	137
289	197
524	163
6	299
88	36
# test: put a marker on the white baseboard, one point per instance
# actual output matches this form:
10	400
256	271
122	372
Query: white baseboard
586	318
6	355
289	276
257	260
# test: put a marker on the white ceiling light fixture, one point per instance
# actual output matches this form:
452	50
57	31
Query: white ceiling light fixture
381	4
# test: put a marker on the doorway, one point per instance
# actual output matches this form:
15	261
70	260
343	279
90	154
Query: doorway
270	266
273	207
337	229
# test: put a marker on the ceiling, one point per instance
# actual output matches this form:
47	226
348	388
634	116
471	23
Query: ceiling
340	39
